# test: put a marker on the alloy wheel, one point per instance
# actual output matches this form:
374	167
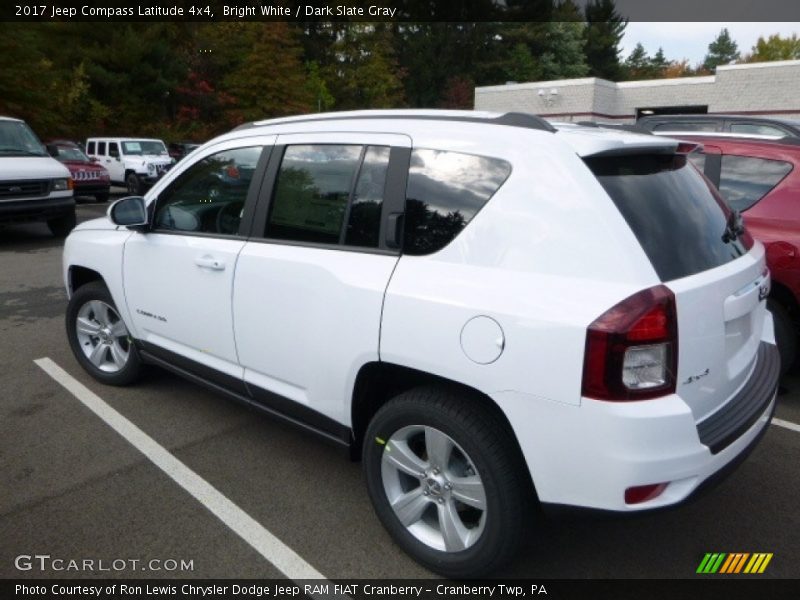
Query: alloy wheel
102	336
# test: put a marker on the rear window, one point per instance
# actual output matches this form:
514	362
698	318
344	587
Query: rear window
675	214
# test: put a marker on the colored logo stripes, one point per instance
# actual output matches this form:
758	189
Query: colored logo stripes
736	562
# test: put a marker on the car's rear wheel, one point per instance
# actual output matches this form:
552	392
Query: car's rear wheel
99	338
785	334
444	477
61	226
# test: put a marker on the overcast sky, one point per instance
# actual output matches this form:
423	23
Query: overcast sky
691	40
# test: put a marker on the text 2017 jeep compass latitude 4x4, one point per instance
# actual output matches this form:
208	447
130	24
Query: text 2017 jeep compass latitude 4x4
485	309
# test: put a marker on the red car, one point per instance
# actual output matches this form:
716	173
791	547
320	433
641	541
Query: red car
761	179
91	179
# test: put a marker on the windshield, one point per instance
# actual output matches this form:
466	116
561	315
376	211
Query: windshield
71	153
17	139
140	147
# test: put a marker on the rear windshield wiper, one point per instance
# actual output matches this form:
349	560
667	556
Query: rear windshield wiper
733	227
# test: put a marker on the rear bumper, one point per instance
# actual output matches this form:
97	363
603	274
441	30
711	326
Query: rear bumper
89	189
36	209
588	455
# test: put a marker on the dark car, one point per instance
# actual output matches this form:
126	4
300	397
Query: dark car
179	150
726	124
761	179
90	178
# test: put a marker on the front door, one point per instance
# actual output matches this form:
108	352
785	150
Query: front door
179	276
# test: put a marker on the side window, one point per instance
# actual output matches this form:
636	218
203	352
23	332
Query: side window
90	148
745	180
757	129
101	148
364	221
113	149
445	190
686	126
210	195
698	159
313	191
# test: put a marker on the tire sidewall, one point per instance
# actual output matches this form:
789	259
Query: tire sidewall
84	294
469	562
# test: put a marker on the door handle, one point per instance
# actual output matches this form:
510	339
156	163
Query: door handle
209	262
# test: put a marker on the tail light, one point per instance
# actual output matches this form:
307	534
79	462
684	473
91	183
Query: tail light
632	349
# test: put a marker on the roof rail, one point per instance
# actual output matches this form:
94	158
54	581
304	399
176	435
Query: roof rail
511	119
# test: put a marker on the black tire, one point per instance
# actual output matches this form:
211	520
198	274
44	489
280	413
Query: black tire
134	184
492	450
133	368
101	197
785	335
61	226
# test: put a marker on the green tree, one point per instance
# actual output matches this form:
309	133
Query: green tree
638	64
270	80
564	57
658	64
775	47
602	36
365	73
722	51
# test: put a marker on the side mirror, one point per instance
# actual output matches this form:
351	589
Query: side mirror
129	212
52	150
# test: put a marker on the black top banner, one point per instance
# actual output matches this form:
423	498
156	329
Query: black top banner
395	10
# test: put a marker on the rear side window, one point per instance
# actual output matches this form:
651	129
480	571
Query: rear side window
687	126
675	214
757	129
445	190
744	180
101	148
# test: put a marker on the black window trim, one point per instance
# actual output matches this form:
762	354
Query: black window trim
249	204
393	200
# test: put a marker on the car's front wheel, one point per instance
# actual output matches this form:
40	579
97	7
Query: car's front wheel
61	226
134	184
99	338
445	479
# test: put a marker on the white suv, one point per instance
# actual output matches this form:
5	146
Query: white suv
136	163
485	309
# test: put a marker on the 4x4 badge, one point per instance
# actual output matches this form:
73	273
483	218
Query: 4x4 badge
694	378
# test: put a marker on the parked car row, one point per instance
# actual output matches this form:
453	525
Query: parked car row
34	187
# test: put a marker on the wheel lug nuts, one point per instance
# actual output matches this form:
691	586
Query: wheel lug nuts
435	470
425	493
441	500
447	486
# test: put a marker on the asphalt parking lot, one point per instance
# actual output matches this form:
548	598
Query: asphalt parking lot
71	487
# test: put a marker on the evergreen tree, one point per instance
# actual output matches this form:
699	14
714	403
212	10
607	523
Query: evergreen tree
638	64
602	36
564	57
722	51
658	64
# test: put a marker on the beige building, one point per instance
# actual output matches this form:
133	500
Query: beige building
767	89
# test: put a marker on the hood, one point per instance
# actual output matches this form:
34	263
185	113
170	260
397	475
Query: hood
102	223
82	165
31	167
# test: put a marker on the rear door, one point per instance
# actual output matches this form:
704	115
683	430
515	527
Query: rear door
718	278
310	283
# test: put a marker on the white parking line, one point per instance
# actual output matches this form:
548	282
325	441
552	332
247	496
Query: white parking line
786	424
286	560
